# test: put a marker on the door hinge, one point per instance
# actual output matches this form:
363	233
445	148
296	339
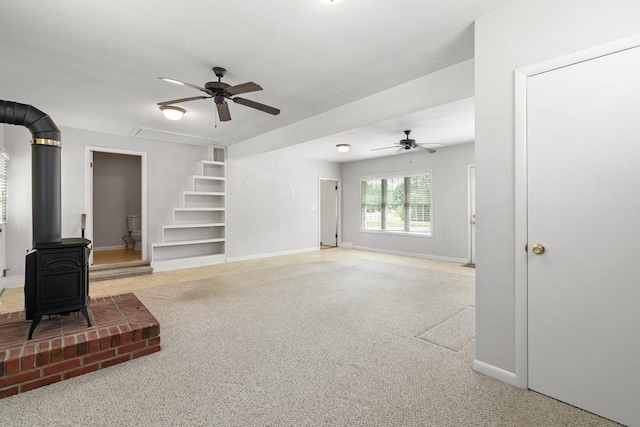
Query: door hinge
4	272
526	247
336	187
90	164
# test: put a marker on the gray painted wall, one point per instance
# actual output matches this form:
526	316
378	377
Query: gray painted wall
268	204
523	33
116	194
168	168
449	169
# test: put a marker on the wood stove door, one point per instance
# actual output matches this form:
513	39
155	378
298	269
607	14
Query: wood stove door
61	280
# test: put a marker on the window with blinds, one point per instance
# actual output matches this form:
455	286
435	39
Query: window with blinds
397	203
4	164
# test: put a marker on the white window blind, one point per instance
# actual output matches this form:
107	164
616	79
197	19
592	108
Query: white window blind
397	203
4	164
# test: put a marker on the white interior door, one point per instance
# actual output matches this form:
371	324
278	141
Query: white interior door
583	136
329	212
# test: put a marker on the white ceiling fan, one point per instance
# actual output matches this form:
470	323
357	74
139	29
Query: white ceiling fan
410	144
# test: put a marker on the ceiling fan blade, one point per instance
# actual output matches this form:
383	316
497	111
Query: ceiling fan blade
400	151
243	88
428	150
223	111
257	106
431	144
384	148
181	83
177	101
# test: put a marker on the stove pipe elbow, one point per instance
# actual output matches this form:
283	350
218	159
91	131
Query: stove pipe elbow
39	124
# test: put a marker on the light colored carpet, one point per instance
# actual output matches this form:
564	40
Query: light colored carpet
455	332
318	344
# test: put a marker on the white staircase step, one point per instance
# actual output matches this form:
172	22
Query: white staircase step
198	215
209	178
187	242
203	193
196	199
187	249
211	168
214	184
212	224
186	232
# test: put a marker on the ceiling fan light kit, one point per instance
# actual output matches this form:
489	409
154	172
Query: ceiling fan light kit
343	148
172	112
220	92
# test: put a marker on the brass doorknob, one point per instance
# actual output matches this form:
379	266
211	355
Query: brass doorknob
538	249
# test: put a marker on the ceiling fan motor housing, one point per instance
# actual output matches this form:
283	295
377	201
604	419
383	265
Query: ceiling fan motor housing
215	86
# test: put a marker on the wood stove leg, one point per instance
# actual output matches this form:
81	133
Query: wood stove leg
85	313
34	323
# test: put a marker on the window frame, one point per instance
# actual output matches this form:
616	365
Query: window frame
403	176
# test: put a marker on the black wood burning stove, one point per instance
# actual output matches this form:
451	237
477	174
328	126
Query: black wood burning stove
57	280
57	270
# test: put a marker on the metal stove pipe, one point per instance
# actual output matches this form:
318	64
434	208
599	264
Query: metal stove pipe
45	168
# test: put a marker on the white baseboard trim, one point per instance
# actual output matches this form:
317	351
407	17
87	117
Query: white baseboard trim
495	372
272	254
346	245
12	281
412	254
109	248
187	262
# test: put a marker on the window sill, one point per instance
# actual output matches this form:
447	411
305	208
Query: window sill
398	233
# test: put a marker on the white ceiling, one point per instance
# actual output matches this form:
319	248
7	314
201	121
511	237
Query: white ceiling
446	124
95	64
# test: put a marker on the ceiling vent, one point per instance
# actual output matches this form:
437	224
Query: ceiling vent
178	138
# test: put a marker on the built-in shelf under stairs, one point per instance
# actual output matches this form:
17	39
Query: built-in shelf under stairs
196	235
98	272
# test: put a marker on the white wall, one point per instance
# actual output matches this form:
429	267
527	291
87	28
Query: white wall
449	169
116	189
523	33
168	166
268	204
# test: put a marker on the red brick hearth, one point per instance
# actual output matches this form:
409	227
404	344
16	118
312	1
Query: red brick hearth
63	347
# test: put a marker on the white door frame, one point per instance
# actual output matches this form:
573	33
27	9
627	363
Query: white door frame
470	218
88	185
339	213
521	184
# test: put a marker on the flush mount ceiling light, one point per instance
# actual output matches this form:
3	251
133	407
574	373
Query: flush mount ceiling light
331	1
171	112
343	148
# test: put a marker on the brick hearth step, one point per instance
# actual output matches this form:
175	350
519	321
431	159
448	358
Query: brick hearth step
64	347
